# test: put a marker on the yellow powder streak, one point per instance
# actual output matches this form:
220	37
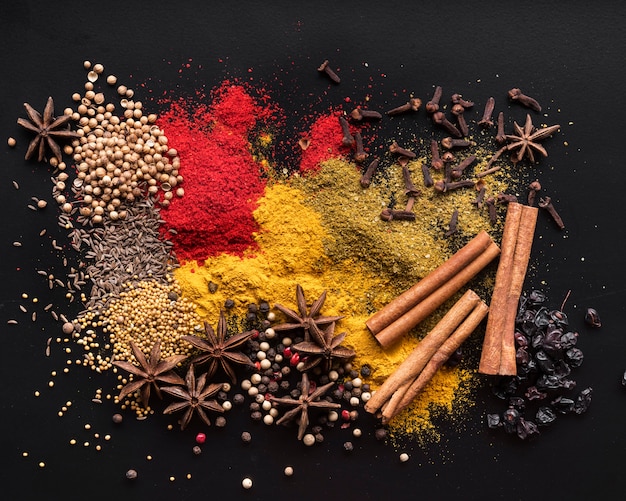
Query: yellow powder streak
324	233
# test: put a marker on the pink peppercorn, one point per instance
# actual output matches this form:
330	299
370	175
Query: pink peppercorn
200	438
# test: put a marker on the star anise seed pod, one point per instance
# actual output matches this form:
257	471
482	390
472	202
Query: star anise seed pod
304	319
303	403
149	372
220	350
194	397
47	129
324	348
527	139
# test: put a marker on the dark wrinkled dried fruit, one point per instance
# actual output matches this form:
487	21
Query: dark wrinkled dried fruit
517	403
583	400
545	415
510	418
537	297
574	357
568	340
532	393
494	421
592	318
624	379
563	404
526	429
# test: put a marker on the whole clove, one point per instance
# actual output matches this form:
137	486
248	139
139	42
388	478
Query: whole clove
480	196
360	114
500	135
359	155
486	121
399	215
534	188
428	179
458	99
443	186
516	94
457	111
453	142
433	105
505	198
348	139
453	224
328	70
437	162
366	178
440	119
410	188
413	104
395	148
457	171
546	203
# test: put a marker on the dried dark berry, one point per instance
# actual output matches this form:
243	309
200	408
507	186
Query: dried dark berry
532	393
568	340
574	357
559	318
545	415
517	403
520	339
366	370
563	405
592	318
583	400
264	307
494	421
510	418
544	362
526	429
537	297
229	303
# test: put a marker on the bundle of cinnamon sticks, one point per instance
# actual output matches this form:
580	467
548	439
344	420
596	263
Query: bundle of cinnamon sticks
412	375
498	352
406	311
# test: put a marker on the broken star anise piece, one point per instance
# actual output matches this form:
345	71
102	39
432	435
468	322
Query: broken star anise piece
47	128
526	139
307	399
324	347
302	318
220	350
194	396
149	372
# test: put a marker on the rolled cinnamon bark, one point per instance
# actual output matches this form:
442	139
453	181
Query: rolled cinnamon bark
492	344
423	352
405	395
430	283
393	332
528	222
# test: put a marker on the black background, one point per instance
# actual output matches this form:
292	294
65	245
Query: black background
567	54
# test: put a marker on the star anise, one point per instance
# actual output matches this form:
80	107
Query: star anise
47	129
527	139
302	318
149	372
307	399
220	350
194	396
324	348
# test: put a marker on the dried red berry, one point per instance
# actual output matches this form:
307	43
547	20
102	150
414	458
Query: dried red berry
200	438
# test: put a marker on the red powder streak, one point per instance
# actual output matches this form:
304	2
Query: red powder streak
222	181
325	135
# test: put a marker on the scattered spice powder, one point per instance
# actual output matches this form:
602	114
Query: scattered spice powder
325	142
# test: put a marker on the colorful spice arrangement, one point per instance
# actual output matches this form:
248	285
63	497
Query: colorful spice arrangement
213	276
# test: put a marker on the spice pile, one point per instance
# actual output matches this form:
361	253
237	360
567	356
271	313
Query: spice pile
198	250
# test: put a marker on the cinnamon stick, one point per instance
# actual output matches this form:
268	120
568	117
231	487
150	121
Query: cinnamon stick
408	392
408	370
390	334
492	344
498	352
508	364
